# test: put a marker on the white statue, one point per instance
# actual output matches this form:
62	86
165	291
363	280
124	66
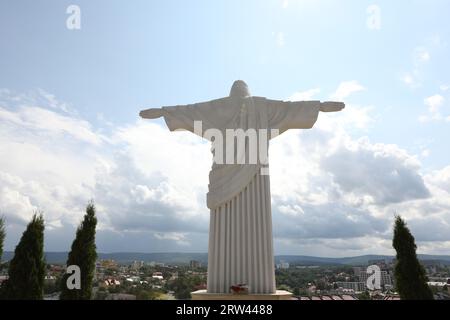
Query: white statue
240	233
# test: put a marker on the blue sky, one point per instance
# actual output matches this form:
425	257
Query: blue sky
92	82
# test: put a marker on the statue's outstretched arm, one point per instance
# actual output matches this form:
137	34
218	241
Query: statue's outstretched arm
152	113
285	115
327	106
331	106
183	117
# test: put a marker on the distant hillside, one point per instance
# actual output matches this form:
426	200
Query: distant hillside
307	260
184	258
358	260
125	257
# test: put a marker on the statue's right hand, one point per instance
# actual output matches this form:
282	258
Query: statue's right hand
153	113
331	106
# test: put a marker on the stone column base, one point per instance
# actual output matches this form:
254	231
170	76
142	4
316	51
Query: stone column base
204	295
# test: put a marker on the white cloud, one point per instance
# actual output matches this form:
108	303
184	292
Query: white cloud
326	186
51	123
421	55
291	210
56	162
390	174
408	79
434	103
304	95
324	196
13	201
179	238
373	21
353	116
149	184
440	178
425	153
411	79
345	89
297	4
54	103
279	38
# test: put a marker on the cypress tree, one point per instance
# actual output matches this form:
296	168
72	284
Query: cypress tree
410	277
2	237
83	254
27	268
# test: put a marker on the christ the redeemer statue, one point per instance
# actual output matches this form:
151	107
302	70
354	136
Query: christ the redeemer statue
240	232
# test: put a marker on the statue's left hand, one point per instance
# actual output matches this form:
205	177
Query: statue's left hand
331	106
153	113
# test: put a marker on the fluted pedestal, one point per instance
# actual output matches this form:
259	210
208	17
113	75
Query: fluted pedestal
240	241
204	295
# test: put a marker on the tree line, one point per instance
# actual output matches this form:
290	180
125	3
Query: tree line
27	269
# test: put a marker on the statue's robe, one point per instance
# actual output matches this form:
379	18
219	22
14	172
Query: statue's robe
240	233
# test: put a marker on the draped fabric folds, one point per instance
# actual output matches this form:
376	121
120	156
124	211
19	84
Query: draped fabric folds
240	241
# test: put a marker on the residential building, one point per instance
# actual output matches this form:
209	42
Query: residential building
386	278
195	264
157	275
355	286
283	265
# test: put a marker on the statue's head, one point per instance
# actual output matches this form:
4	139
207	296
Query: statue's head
239	90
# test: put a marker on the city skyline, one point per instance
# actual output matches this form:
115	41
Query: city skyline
70	130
